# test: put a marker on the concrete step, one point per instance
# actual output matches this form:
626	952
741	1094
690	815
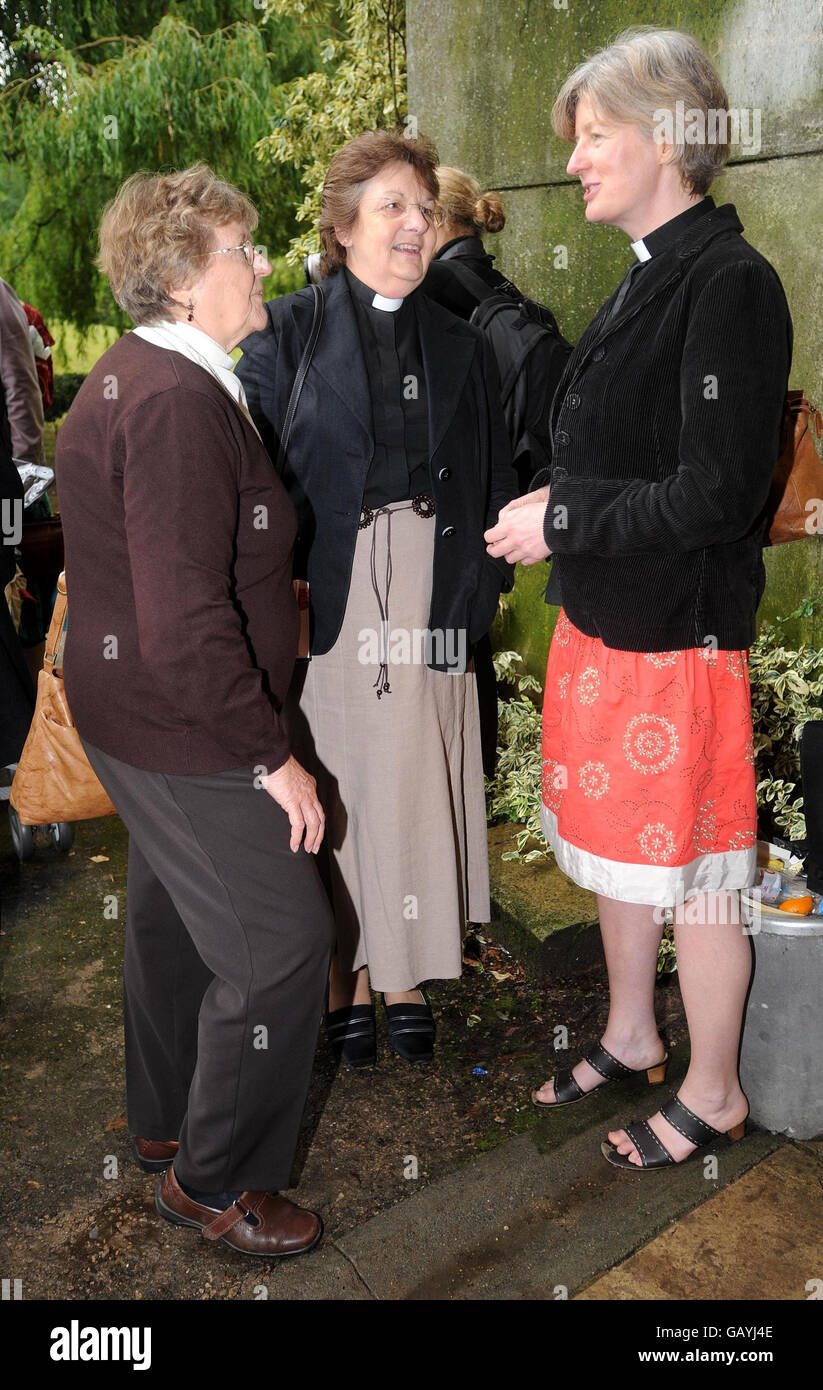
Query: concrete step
538	1218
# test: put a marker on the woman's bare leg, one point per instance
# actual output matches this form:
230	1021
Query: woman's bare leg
714	965
631	938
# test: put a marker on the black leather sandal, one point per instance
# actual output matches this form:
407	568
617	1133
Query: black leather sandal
352	1033
411	1030
568	1090
653	1153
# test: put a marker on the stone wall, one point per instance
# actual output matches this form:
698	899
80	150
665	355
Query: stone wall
482	78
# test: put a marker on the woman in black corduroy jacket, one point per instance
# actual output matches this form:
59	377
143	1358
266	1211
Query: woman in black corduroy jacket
666	429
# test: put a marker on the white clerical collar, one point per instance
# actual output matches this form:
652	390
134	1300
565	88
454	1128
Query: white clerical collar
390	305
641	250
173	333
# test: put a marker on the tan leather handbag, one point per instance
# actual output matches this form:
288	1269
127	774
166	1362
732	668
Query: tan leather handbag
798	477
54	781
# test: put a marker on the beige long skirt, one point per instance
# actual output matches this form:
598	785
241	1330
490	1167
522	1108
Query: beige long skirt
400	776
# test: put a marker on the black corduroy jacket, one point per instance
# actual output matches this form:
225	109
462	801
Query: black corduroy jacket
332	445
666	431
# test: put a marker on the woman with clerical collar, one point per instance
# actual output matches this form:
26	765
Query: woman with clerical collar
398	460
666	429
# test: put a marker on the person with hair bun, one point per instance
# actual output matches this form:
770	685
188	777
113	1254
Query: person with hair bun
666	432
398	460
468	215
462	277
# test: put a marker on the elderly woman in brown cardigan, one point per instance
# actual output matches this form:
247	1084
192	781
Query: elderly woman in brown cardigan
182	640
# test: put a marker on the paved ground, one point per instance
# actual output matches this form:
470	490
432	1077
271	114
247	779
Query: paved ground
434	1183
759	1238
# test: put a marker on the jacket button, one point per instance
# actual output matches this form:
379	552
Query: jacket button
573	401
562	437
449	531
444	475
598	354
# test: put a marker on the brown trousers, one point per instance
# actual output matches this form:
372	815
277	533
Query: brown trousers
228	940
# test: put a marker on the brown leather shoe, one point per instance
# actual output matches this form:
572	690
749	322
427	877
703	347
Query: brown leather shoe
258	1223
154	1155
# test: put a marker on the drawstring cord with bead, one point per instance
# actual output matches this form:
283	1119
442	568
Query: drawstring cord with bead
381	685
422	505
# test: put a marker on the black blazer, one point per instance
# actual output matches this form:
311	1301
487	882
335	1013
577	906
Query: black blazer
332	444
666	431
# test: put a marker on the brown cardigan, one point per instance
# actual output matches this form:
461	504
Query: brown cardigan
182	621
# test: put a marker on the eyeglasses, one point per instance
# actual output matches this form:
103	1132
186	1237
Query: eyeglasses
247	248
395	208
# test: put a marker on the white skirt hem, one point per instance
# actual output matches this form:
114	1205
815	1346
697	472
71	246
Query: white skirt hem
658	885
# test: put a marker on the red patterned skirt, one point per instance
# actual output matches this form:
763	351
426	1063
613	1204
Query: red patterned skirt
648	769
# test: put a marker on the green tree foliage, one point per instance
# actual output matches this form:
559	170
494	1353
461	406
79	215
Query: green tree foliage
93	90
81	122
93	25
359	85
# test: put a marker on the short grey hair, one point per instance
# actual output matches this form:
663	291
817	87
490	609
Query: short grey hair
647	71
158	231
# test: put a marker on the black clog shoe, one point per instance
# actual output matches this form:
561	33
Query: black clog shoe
411	1030
352	1032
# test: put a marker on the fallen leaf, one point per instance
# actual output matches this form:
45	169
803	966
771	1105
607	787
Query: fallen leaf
31	1183
99	859
501	974
119	1122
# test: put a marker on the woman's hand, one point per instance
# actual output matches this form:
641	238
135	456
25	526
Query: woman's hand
293	788
518	535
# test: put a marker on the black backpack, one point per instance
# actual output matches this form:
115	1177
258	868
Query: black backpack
531	354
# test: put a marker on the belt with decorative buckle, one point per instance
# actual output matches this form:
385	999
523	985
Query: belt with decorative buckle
421	505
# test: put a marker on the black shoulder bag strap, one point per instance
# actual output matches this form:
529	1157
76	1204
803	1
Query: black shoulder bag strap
305	362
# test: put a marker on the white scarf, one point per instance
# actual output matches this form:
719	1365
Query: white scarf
200	348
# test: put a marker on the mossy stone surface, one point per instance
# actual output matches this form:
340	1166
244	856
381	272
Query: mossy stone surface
483	75
525	623
545	919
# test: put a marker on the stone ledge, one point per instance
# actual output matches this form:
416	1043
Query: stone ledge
538	914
